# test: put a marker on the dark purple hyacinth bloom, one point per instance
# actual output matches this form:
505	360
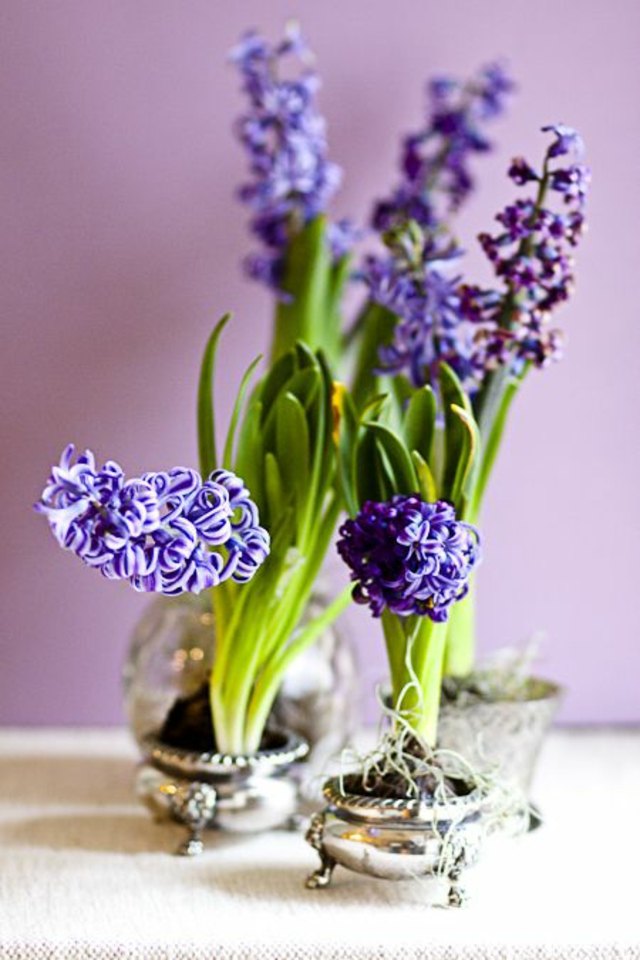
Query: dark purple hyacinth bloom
409	556
435	164
284	135
157	531
532	255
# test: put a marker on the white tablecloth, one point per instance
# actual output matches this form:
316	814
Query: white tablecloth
84	873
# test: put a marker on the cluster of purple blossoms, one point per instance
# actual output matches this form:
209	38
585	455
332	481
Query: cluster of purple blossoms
284	136
409	556
157	531
435	161
415	283
532	255
476	330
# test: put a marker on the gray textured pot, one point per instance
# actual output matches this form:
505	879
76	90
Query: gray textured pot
501	737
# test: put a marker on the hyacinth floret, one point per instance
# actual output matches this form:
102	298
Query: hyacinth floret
168	532
409	556
435	163
284	135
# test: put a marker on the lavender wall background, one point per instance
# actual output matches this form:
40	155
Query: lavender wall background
121	244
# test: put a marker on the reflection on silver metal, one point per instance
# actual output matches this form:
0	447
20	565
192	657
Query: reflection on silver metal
397	839
238	794
501	738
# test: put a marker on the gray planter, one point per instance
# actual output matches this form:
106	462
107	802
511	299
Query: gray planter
503	737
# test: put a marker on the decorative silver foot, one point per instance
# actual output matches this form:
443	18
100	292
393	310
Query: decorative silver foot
191	847
321	877
193	804
457	894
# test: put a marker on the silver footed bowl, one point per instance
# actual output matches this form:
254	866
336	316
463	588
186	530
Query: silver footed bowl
397	839
237	793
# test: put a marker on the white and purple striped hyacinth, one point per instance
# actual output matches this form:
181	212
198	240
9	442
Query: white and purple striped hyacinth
167	532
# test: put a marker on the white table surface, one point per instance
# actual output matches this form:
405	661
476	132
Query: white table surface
84	873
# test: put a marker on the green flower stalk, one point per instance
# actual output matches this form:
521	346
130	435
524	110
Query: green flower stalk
283	437
308	308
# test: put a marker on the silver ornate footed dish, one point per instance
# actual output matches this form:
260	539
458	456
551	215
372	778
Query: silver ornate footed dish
397	839
237	794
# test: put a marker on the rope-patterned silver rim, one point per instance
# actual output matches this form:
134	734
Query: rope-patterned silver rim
191	762
389	810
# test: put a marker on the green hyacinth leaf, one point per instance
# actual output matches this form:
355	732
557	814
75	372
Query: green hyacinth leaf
348	428
292	446
250	452
457	440
206	406
399	464
420	422
370	483
374	407
426	480
227	459
491	444
277	380
273	488
305	385
460	493
305	356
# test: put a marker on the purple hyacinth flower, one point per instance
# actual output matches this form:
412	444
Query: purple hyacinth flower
416	282
435	163
532	256
284	136
409	556
567	140
342	236
157	531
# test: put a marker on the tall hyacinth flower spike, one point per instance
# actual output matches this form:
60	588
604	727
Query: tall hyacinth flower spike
411	318
303	258
436	160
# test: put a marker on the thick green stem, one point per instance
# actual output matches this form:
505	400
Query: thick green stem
461	636
396	642
421	702
307	313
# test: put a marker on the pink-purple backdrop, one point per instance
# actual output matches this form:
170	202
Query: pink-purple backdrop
121	244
